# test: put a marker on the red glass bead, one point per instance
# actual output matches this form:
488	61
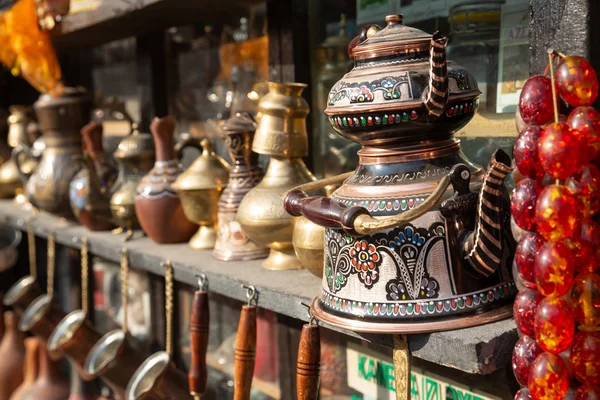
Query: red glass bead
585	299
535	101
588	393
586	120
521	125
585	357
522	394
576	81
524	310
586	240
555	213
548	378
558	150
585	186
525	152
527	249
524	354
554	325
554	269
523	202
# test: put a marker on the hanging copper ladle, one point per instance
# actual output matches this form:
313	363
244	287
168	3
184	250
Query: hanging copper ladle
43	314
74	336
25	290
112	357
158	378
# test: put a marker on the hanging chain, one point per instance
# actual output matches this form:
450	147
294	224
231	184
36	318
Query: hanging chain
169	307
51	266
124	286
84	275
31	248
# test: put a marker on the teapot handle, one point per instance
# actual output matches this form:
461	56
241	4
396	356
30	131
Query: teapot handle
357	221
188	142
16	155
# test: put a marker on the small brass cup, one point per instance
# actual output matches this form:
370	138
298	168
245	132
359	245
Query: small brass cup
74	337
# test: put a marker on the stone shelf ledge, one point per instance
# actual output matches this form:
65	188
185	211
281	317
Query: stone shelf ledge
479	350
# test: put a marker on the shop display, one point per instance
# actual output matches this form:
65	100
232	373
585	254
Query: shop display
199	188
245	348
199	324
31	368
74	336
113	358
87	191
387	227
281	134
135	158
232	242
157	206
564	291
60	120
308	365
158	377
12	354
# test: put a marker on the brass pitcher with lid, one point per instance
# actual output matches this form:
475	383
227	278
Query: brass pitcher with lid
199	188
417	238
281	134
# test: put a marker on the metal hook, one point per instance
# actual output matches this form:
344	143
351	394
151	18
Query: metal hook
202	282
311	318
251	294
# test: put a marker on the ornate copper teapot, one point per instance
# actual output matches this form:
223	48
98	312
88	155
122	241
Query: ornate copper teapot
417	236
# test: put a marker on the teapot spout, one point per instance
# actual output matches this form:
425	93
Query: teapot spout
483	248
436	96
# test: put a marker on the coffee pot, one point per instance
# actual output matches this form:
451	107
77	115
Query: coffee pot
417	238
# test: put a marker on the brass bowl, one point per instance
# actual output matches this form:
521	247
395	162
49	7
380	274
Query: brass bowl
308	241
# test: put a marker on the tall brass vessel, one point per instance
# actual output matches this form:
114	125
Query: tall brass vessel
60	121
281	134
199	188
232	242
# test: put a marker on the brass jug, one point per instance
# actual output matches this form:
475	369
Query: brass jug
199	188
281	134
60	121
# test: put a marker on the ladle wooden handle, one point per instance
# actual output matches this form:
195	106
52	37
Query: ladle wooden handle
199	342
245	351
309	363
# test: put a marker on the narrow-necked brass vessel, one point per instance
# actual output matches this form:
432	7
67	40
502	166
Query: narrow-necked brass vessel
281	134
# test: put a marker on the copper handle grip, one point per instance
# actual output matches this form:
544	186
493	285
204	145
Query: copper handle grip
199	343
309	363
245	351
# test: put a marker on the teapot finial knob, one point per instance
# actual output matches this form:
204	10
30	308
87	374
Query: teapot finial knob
394	19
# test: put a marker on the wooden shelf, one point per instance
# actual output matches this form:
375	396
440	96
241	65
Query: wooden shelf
118	19
481	349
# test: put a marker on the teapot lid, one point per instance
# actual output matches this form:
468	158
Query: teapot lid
135	145
208	171
393	39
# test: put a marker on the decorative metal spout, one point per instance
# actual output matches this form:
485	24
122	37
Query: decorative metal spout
436	96
482	248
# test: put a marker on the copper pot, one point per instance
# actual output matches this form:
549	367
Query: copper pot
158	378
41	318
22	294
74	337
